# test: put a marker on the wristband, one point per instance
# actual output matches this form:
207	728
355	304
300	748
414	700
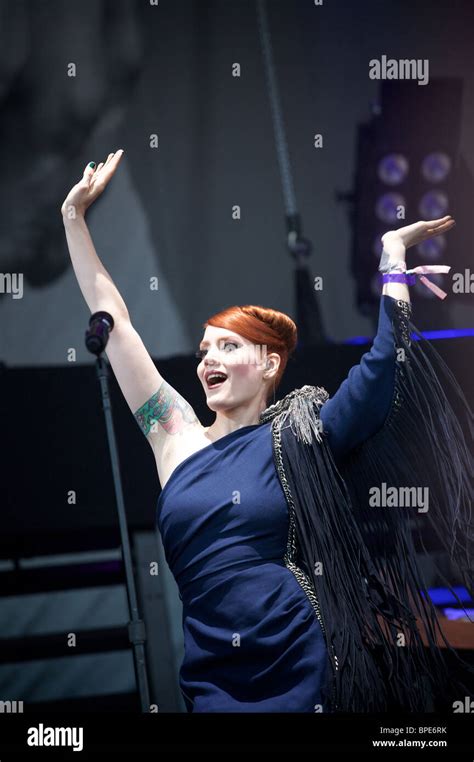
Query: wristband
399	274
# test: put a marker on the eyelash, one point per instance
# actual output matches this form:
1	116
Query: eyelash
200	353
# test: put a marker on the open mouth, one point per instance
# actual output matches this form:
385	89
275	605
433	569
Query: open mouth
216	380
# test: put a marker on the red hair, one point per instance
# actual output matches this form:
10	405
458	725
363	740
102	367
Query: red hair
261	326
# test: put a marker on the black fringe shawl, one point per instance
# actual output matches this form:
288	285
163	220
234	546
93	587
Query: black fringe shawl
361	560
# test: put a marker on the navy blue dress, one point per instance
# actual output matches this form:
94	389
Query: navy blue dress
251	637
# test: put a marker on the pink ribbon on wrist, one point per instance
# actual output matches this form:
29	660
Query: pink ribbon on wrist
420	271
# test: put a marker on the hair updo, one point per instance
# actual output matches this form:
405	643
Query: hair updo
261	326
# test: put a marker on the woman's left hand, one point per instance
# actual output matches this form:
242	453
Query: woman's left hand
411	235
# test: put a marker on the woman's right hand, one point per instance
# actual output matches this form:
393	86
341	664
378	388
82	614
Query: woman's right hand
93	182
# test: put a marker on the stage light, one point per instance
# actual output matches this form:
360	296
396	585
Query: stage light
432	249
436	167
433	204
393	168
408	169
387	207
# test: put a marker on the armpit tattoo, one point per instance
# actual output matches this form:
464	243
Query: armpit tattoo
167	408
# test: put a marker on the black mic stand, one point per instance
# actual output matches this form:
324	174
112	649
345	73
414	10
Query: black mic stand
97	336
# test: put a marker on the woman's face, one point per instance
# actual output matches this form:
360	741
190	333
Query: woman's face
241	362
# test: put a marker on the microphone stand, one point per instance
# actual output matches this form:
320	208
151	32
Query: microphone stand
97	336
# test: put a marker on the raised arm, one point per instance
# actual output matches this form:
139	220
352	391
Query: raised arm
361	404
159	409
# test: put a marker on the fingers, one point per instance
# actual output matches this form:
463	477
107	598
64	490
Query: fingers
440	219
110	163
441	222
437	227
446	225
112	156
89	170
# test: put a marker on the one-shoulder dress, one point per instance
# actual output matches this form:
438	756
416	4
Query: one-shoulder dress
252	641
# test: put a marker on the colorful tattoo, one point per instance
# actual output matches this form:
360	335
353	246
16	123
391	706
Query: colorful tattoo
167	408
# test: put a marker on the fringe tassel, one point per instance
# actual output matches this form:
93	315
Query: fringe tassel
361	560
422	444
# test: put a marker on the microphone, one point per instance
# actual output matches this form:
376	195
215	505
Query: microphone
97	335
